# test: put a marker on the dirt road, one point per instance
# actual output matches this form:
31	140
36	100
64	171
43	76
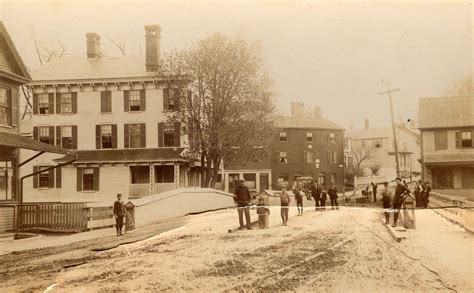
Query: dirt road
332	251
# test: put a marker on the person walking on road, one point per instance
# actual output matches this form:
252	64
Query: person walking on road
324	197
316	194
374	191
400	191
426	194
299	198
119	214
242	198
285	205
417	193
332	192
386	200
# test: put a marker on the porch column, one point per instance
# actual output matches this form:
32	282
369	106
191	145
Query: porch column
176	176
152	179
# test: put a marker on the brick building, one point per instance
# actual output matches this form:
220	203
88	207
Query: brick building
305	145
113	111
447	139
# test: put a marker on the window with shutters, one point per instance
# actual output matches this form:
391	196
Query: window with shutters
309	136
466	139
106	136
164	174
66	103
66	137
332	137
441	140
106	102
140	174
43	178
5	107
169	135
283	158
135	135
43	134
43	103
88	179
172	100
283	136
134	97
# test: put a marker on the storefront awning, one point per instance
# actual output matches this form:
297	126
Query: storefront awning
13	140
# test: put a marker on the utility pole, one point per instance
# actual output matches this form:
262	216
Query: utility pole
395	143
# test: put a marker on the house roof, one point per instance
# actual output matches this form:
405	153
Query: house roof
13	140
446	112
371	133
78	67
305	122
128	155
22	75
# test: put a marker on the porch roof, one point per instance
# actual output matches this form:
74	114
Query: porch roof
13	140
128	155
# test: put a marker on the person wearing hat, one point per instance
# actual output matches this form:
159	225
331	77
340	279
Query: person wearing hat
119	213
426	194
400	190
242	198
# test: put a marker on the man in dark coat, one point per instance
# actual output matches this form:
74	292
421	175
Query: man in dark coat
374	191
400	191
119	213
316	194
426	194
242	198
332	192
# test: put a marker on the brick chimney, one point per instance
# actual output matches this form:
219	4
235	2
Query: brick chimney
297	109
317	112
152	40
366	123
93	45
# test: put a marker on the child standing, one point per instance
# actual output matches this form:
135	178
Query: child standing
285	205
262	212
299	198
324	196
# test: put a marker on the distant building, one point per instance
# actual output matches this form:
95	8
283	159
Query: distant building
113	111
378	145
305	145
447	138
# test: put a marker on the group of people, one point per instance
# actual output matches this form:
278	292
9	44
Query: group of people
422	193
318	192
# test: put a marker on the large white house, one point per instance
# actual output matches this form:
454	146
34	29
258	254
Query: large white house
113	111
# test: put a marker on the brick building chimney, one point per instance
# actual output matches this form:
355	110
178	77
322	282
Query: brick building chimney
297	109
93	45
366	123
152	40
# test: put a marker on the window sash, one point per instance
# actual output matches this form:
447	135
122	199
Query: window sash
88	179
66	103
43	134
283	136
134	100
43	178
164	174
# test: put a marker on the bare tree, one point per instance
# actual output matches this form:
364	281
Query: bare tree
226	106
463	87
121	45
359	155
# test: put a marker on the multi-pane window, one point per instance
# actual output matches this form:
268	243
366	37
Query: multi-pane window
43	178
168	135
88	179
378	143
6	180
164	174
106	136
140	174
251	180
66	137
43	103
134	97
135	136
332	157
466	139
309	136
283	159
309	157
333	178
5	107
332	137
283	136
43	134
66	102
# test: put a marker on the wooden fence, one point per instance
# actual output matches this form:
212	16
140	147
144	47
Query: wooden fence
65	217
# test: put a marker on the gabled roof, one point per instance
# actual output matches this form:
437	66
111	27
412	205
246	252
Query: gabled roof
13	140
23	75
69	67
305	122
128	155
446	112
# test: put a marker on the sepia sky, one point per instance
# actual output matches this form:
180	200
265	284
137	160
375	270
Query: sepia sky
332	55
